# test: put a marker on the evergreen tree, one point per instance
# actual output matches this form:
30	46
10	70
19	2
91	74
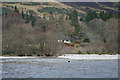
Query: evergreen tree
33	21
102	15
27	18
66	17
23	16
70	16
90	16
51	12
74	22
16	10
105	16
81	19
31	16
110	15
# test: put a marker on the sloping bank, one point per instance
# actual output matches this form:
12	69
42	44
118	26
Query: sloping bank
90	57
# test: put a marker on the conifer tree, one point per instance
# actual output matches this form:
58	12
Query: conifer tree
33	21
16	10
66	17
90	16
23	16
26	18
70	16
105	16
81	19
31	16
74	22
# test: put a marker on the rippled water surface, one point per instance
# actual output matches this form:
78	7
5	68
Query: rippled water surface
59	68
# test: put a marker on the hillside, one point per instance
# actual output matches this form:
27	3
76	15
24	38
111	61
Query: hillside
38	28
95	6
81	7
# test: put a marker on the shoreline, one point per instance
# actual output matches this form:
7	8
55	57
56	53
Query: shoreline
90	57
69	56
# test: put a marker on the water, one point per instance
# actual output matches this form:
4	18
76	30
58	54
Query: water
59	68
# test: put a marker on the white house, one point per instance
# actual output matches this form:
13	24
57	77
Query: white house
67	41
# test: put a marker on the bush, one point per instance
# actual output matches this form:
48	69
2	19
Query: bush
79	52
81	19
8	52
76	46
88	52
82	45
86	40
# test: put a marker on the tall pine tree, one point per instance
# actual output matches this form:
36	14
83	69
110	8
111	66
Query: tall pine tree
70	16
23	16
16	9
33	21
66	17
26	18
74	22
74	18
91	15
31	16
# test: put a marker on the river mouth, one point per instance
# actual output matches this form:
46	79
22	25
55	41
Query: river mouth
58	68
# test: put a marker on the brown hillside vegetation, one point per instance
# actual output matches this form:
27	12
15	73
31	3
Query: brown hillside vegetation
53	30
20	38
104	36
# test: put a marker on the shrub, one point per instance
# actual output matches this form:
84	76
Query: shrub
88	52
76	46
86	40
81	19
82	45
79	52
8	52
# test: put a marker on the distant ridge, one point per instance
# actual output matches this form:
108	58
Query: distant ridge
60	0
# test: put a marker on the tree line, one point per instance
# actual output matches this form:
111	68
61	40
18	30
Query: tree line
26	16
73	16
29	18
92	15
